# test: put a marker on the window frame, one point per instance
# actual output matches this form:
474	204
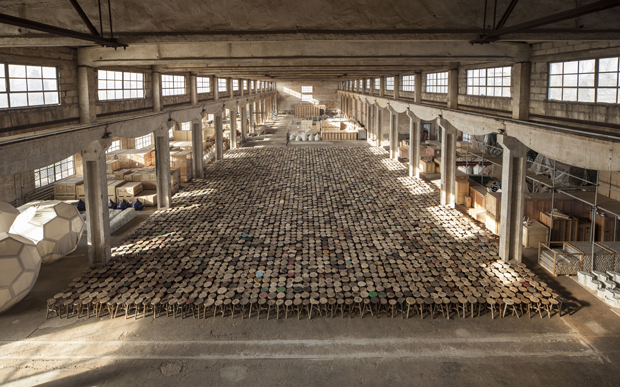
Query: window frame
235	85
200	87
114	146
307	89
143	138
437	85
245	84
174	81
389	83
596	84
69	160
186	126
5	81
408	83
473	85
139	80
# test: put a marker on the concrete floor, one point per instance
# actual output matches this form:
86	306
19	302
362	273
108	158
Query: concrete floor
582	347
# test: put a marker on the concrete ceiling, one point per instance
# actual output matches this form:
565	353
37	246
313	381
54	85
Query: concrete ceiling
312	39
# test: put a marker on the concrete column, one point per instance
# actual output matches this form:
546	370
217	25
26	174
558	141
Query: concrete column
162	167
193	93
414	145
197	150
252	120
242	92
396	86
216	94
521	73
244	123
264	110
96	194
448	163
229	84
233	128
379	122
513	188
418	87
382	87
157	91
219	136
393	134
453	88
86	94
371	126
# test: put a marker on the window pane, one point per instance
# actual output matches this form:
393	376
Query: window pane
571	67
586	66
51	98
16	71
555	68
586	95
608	64
35	84
35	99
570	94
50	85
586	80
555	94
570	80
606	95
19	99
555	81
4	101
608	79
17	85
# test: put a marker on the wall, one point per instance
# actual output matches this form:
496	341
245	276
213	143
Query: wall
324	92
21	120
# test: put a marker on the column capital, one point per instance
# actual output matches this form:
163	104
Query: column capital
93	151
512	145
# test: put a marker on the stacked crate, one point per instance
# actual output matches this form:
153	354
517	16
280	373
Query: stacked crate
66	189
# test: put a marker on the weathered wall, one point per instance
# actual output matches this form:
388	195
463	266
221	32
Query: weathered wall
324	92
15	187
20	120
118	108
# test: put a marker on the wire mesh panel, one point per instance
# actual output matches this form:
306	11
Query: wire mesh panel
603	259
558	260
613	247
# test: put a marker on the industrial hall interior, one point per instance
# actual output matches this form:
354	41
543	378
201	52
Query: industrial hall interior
337	193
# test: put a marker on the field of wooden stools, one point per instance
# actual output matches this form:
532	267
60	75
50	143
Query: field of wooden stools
304	233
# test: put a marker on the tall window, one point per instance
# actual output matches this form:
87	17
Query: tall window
221	85
355	84
368	84
116	145
306	95
186	126
389	83
306	89
172	85
171	133
235	85
144	141
437	83
493	82
409	83
203	85
51	173
593	80
361	84
252	85
306	98
245	84
28	86
377	83
113	85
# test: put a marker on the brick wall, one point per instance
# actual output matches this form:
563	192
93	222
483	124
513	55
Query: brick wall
324	92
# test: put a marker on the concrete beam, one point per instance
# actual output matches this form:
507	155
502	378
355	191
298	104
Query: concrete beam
566	145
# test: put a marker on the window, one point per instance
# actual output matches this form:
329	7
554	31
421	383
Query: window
437	83
172	85
28	86
409	83
361	84
355	84
144	141
186	126
203	85
252	85
493	82
113	85
467	137
389	83
51	173
306	89
171	133
306	98
377	83
593	80
221	85
116	145
368	84
245	84
235	85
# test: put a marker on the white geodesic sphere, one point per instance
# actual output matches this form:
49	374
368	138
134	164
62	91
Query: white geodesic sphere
20	263
55	227
8	213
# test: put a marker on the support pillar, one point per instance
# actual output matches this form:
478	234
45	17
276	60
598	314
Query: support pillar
162	166
513	188
216	93
219	136
233	128
156	91
417	87
86	94
448	163
393	133
197	151
382	87
521	73
96	195
397	86
252	121
379	121
414	145
453	88
193	93
244	123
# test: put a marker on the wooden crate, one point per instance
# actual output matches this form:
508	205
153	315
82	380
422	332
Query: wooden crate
112	165
604	228
427	166
478	195
584	229
129	189
494	204
564	226
493	224
535	203
308	110
534	233
66	189
462	191
148	198
338	136
478	214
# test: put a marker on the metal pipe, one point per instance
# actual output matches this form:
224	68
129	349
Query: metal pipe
110	15
593	222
